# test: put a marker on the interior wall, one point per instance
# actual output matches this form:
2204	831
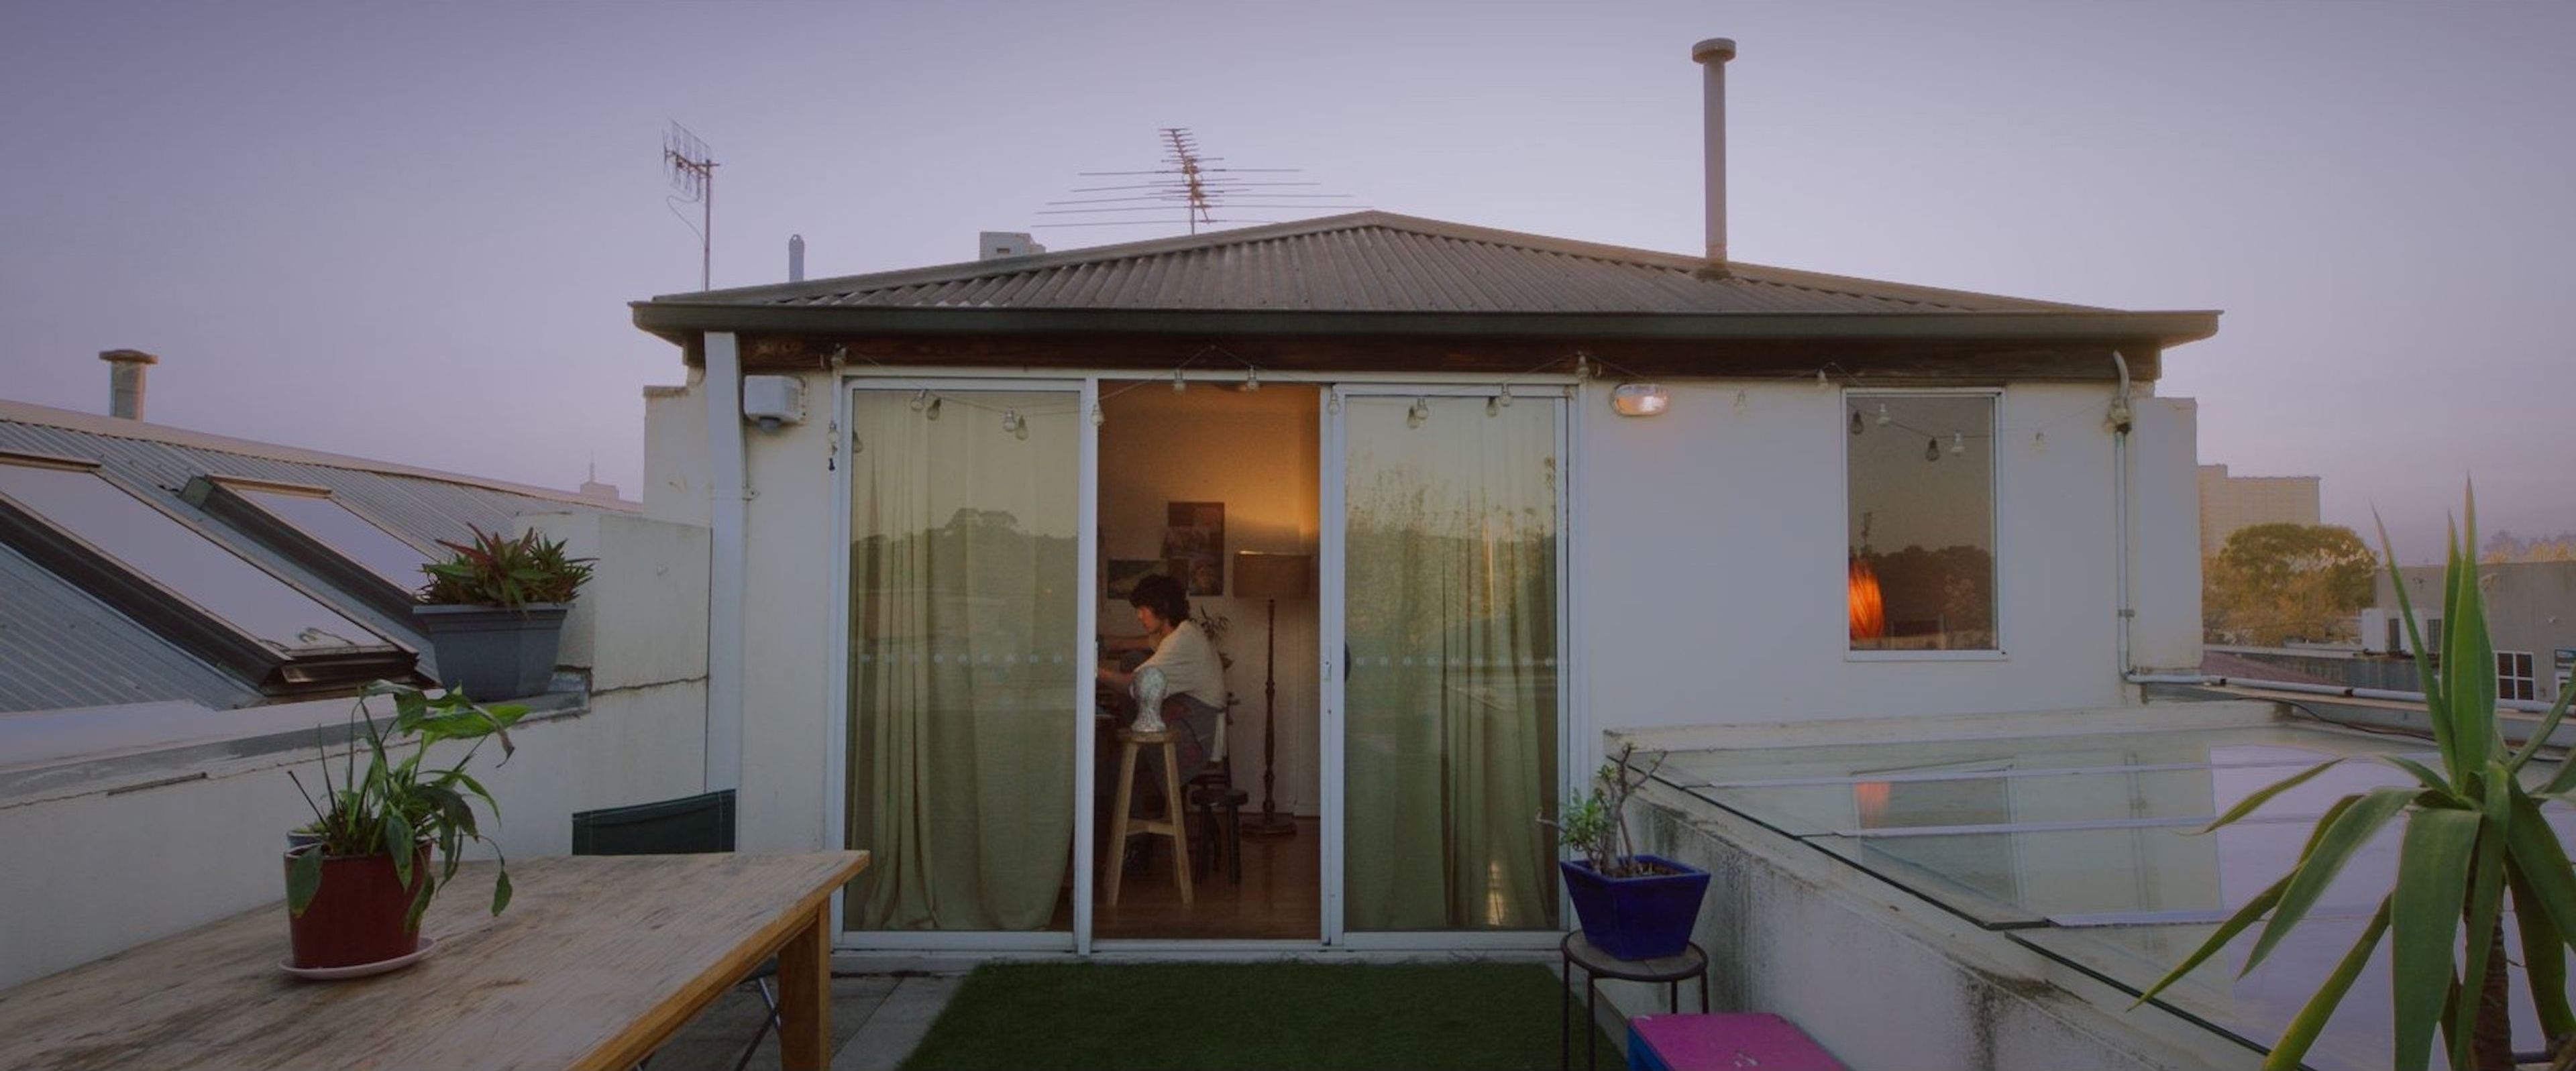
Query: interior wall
1256	452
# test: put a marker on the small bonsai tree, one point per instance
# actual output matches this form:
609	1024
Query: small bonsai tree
2472	834
394	805
1596	824
495	570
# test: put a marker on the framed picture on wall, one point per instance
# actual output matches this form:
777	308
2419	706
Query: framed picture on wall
1125	572
1194	545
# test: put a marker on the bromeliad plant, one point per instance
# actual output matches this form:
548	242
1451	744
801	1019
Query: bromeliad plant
2473	833
396	804
496	570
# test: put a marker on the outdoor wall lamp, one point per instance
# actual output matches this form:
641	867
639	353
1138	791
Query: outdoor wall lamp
1640	399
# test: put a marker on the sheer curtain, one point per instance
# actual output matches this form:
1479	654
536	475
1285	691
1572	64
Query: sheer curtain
1451	695
963	658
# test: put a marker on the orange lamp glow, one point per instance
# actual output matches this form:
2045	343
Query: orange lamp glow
1868	614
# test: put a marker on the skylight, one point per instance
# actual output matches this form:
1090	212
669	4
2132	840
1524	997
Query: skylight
156	568
335	526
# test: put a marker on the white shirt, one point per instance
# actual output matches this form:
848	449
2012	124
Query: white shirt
1190	665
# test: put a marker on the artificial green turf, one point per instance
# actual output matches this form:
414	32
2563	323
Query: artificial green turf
1238	1016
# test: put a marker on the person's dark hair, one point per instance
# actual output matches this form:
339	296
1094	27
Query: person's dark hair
1165	596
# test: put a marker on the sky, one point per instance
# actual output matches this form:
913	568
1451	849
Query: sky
410	232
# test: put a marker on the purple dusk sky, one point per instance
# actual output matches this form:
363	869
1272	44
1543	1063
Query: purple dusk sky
410	232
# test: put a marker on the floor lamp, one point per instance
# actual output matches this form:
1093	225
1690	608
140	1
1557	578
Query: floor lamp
1272	577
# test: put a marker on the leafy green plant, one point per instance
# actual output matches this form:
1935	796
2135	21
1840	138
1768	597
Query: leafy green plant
396	803
1596	825
497	570
2473	834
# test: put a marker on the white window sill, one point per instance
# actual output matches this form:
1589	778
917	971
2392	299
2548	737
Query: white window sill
1925	656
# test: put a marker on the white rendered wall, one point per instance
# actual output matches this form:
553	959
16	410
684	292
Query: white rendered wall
1710	562
2164	529
158	850
788	600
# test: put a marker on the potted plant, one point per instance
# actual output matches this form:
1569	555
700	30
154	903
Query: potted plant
494	611
1632	905
360	875
2473	838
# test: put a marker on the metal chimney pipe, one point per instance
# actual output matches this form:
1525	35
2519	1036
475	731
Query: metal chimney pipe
795	258
125	381
1712	55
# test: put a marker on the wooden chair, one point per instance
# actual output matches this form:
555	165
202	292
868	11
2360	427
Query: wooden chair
689	826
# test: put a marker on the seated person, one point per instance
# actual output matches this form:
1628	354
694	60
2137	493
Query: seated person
1194	695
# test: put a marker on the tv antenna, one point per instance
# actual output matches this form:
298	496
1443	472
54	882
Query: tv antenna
1204	195
693	180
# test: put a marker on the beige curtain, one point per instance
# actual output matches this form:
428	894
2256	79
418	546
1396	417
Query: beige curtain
963	658
1450	587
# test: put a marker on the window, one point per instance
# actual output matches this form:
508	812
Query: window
353	536
1920	472
321	533
175	580
2514	675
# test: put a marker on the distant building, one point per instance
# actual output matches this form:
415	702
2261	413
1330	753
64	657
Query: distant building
2231	503
2531	620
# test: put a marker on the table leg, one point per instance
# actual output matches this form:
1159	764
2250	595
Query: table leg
805	995
1564	1012
1591	1022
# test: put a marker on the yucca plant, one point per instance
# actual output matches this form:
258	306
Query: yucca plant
2473	835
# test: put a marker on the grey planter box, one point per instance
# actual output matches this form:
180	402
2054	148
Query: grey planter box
492	652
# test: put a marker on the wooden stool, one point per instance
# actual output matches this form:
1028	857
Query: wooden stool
1175	812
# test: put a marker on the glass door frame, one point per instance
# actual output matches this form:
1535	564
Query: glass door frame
1332	530
1086	388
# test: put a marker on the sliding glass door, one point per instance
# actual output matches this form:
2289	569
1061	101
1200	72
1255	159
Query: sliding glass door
966	670
1448	557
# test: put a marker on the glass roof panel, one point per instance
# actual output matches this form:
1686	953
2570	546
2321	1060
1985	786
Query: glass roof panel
354	537
2275	745
157	546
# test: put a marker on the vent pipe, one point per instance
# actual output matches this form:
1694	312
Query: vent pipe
1712	55
795	258
125	381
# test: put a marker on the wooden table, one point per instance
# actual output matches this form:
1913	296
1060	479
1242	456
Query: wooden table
598	961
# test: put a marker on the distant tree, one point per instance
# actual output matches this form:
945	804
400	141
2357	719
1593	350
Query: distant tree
2277	582
2502	548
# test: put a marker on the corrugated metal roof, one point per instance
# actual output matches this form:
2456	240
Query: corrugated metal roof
61	648
1370	262
41	672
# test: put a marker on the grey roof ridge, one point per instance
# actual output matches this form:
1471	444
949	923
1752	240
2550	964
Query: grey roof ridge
94	424
1001	266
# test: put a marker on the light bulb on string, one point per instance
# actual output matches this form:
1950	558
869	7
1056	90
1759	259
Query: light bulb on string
919	398
933	411
1011	423
1421	411
1855	423
1333	401
1742	403
2039	442
1179	384
1958	443
1506	396
1494	406
1931	449
1097	419
1883	419
1821	382
1252	381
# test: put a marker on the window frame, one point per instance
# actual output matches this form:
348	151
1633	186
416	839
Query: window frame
219	495
1995	397
2528	678
195	628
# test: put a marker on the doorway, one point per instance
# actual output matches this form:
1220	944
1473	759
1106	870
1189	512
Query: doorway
1216	487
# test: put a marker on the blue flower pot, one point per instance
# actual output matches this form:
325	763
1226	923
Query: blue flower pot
1636	918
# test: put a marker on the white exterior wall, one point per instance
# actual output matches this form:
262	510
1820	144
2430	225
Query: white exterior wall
1707	584
1709	561
158	849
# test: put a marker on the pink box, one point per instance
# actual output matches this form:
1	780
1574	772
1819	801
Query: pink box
1723	1042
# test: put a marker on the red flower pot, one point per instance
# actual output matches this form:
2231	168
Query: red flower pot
358	914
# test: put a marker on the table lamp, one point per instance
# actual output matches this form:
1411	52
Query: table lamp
1271	577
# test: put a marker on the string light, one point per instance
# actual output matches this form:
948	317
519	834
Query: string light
1178	384
1742	404
1012	423
1883	419
1494	406
919	398
1506	398
1097	419
933	411
1931	449
1332	401
1821	382
2039	442
1958	443
1252	381
1855	424
1421	411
